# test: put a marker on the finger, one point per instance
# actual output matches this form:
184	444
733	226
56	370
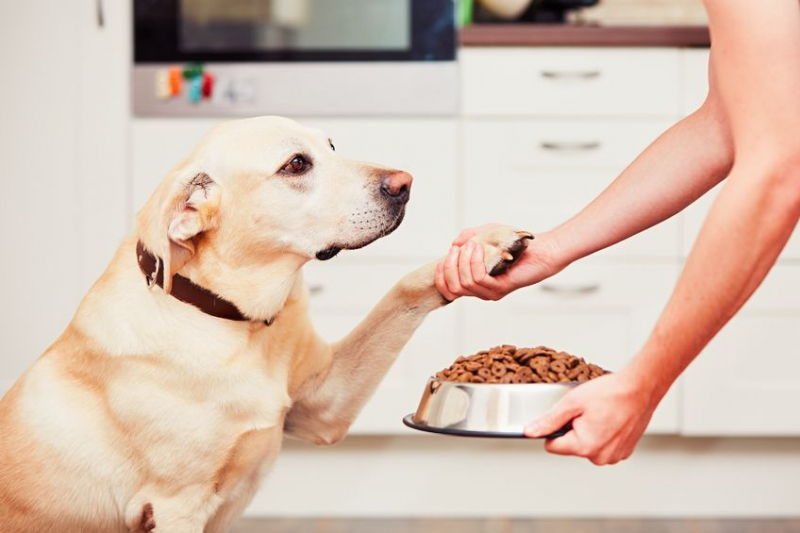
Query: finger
484	285
479	273
556	418
464	269
441	284
470	286
477	266
569	444
451	275
463	237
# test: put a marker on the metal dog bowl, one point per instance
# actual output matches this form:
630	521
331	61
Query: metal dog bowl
485	409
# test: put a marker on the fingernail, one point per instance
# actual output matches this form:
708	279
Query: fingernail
532	429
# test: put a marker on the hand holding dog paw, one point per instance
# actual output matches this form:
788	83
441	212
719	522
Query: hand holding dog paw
492	248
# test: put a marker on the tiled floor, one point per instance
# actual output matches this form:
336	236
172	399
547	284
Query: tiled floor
519	526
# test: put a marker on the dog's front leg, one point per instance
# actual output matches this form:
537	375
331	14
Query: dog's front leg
325	408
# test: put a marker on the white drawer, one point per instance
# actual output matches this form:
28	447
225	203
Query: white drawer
694	63
695	215
570	81
568	143
424	147
746	380
513	179
602	313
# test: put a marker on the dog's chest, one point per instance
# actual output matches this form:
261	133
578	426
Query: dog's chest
186	419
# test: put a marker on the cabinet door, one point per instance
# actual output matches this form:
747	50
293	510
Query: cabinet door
38	163
746	381
342	294
598	311
103	207
694	64
514	175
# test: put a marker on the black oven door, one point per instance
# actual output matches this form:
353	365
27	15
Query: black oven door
237	31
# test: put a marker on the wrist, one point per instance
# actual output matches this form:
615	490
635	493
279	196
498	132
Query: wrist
649	382
549	246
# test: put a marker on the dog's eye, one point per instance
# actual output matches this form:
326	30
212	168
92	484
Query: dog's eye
296	165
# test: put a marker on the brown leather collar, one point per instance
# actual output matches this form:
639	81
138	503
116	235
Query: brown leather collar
187	291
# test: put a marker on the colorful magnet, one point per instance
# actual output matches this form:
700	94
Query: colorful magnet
175	81
208	85
192	70
162	85
195	93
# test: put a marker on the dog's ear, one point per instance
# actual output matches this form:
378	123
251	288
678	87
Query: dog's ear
176	216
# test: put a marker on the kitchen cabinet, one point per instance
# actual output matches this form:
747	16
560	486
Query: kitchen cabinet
694	79
538	147
745	382
536	174
63	157
585	82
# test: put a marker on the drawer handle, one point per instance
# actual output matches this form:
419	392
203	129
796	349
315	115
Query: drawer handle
570	290
570	146
313	290
571	75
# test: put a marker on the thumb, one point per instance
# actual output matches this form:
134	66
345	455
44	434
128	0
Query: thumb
556	418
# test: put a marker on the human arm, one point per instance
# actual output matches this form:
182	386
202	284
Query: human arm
676	169
747	227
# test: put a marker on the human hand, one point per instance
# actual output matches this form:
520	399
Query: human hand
463	272
608	414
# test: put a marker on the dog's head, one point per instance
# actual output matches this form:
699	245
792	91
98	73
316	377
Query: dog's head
263	186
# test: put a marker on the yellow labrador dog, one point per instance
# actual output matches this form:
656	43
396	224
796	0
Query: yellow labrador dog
166	399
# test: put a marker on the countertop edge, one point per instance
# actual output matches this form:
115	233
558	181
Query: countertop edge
566	35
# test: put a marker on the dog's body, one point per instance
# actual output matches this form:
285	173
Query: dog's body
148	414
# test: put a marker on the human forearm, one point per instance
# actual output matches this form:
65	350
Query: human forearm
676	169
757	214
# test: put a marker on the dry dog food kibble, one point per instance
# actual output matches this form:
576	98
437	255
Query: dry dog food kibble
509	364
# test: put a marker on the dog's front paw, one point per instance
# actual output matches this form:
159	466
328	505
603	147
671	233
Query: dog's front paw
501	247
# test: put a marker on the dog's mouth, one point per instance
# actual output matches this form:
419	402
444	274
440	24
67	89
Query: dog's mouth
333	250
328	253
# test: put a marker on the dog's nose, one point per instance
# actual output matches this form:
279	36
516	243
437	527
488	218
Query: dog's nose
397	185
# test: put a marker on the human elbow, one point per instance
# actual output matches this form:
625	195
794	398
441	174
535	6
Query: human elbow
782	181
